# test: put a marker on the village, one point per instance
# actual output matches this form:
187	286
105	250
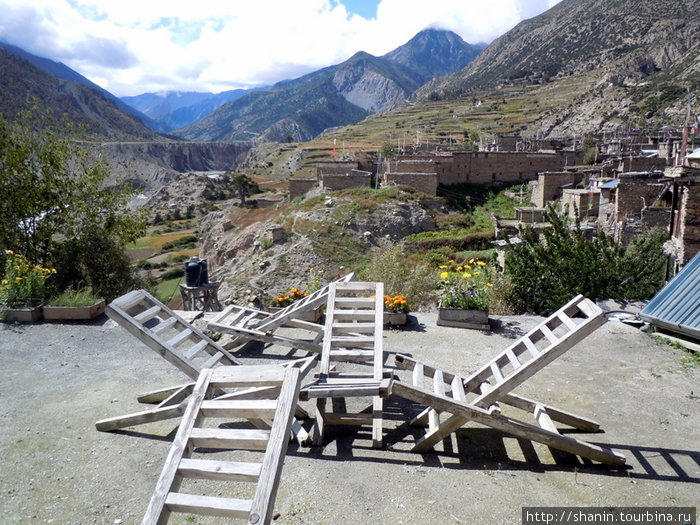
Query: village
635	183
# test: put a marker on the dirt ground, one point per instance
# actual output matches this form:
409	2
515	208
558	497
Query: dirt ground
59	379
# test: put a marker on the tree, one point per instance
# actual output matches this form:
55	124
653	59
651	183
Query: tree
53	191
387	151
243	186
546	273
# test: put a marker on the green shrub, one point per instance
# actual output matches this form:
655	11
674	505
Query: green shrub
173	273
71	297
183	243
545	275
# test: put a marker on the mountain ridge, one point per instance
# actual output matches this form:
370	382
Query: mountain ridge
336	95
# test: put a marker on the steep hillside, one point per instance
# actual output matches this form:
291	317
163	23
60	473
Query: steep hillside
60	70
338	95
623	61
21	83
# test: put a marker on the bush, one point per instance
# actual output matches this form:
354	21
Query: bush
545	275
402	275
173	273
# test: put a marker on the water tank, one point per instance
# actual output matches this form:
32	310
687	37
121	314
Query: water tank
196	272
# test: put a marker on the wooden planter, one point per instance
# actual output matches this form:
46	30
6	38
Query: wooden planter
29	314
313	316
395	318
74	313
476	319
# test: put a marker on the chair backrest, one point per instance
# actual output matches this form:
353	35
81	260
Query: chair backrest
535	350
162	330
310	302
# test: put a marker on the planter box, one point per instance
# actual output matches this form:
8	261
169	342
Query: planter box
313	316
74	313
395	318
24	315
476	319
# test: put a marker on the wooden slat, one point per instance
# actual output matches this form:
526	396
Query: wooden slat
567	321
513	359
213	360
229	438
164	325
180	337
147	315
240	408
195	349
219	470
549	334
208	505
530	346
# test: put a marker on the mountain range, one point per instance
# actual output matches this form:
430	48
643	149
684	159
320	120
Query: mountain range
300	109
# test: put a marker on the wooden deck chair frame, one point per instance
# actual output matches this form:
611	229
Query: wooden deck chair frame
353	332
247	324
192	433
492	384
151	320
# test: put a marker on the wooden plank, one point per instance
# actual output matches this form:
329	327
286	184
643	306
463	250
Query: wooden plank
556	414
439	389
213	360
229	438
543	419
549	334
139	418
156	511
566	320
207	506
164	325
195	349
240	408
496	371
148	314
156	396
179	338
534	352
219	470
263	501
467	412
514	361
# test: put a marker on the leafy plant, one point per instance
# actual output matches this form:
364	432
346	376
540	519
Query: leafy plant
23	283
465	286
72	297
544	274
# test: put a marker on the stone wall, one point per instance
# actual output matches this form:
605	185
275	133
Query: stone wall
425	182
352	179
581	202
641	164
549	186
300	187
632	195
690	222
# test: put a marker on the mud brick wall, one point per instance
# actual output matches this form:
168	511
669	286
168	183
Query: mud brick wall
582	202
548	186
690	222
632	195
352	179
628	164
425	182
300	187
529	215
412	166
484	167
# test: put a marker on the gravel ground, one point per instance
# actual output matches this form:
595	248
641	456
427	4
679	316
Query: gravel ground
58	379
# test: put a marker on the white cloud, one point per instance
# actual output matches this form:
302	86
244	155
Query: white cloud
135	46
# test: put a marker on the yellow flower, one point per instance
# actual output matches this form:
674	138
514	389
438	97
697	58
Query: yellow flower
481	263
467	275
444	275
471	261
5	281
443	267
9	252
489	285
459	268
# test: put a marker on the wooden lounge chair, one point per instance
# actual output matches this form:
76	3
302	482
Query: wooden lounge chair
477	397
247	324
182	345
173	491
353	332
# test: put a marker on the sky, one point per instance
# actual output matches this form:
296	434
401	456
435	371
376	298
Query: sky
131	47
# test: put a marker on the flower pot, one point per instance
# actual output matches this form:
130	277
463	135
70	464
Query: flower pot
463	318
29	314
395	318
74	313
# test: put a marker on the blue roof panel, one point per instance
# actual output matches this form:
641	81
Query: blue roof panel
677	306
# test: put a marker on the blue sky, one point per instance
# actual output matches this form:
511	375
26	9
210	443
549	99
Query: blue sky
136	46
